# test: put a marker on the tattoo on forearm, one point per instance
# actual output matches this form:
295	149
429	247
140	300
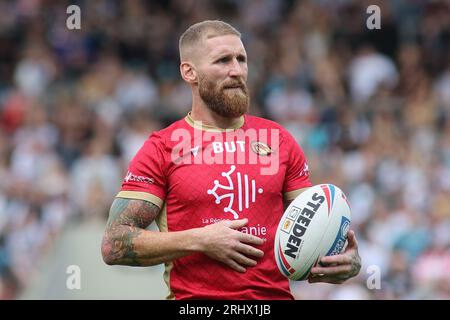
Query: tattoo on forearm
127	219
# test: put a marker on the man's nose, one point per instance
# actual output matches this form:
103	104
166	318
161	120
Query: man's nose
236	69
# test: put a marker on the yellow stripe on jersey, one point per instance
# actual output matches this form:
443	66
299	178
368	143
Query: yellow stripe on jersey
199	125
139	195
291	195
161	222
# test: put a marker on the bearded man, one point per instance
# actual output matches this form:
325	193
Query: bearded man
217	183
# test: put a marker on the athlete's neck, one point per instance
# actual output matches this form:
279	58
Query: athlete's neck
210	118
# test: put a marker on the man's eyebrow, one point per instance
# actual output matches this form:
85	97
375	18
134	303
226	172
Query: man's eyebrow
223	54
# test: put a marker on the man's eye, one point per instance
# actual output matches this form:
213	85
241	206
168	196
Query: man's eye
223	60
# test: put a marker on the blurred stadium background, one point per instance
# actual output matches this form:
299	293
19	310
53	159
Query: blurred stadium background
371	109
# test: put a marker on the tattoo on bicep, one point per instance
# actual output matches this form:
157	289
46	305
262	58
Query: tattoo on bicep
131	212
127	219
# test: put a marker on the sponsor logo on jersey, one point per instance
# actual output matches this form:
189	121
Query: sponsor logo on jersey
250	146
305	171
261	148
239	195
194	150
132	177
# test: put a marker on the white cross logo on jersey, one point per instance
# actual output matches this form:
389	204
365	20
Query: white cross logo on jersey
246	192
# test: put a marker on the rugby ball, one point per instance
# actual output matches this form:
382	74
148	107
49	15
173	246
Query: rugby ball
314	225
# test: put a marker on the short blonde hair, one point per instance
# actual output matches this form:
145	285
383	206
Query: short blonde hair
204	30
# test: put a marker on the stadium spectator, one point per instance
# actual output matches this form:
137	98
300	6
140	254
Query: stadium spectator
376	122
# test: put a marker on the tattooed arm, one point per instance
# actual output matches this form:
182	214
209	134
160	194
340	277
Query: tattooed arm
126	242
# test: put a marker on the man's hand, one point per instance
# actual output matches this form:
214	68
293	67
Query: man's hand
339	268
224	243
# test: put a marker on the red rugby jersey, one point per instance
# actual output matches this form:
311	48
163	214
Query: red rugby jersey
199	175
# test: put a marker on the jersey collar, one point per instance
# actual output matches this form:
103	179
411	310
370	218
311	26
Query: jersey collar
204	127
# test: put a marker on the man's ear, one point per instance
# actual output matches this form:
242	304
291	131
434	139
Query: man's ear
188	72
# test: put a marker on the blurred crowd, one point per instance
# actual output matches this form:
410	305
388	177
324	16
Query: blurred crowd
370	108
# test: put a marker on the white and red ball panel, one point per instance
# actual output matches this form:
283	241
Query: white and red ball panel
314	225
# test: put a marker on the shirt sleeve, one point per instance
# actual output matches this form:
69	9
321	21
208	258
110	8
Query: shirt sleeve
297	173
145	178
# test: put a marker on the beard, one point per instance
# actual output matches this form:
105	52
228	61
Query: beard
226	102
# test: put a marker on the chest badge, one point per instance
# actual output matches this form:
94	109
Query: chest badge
261	148
239	195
